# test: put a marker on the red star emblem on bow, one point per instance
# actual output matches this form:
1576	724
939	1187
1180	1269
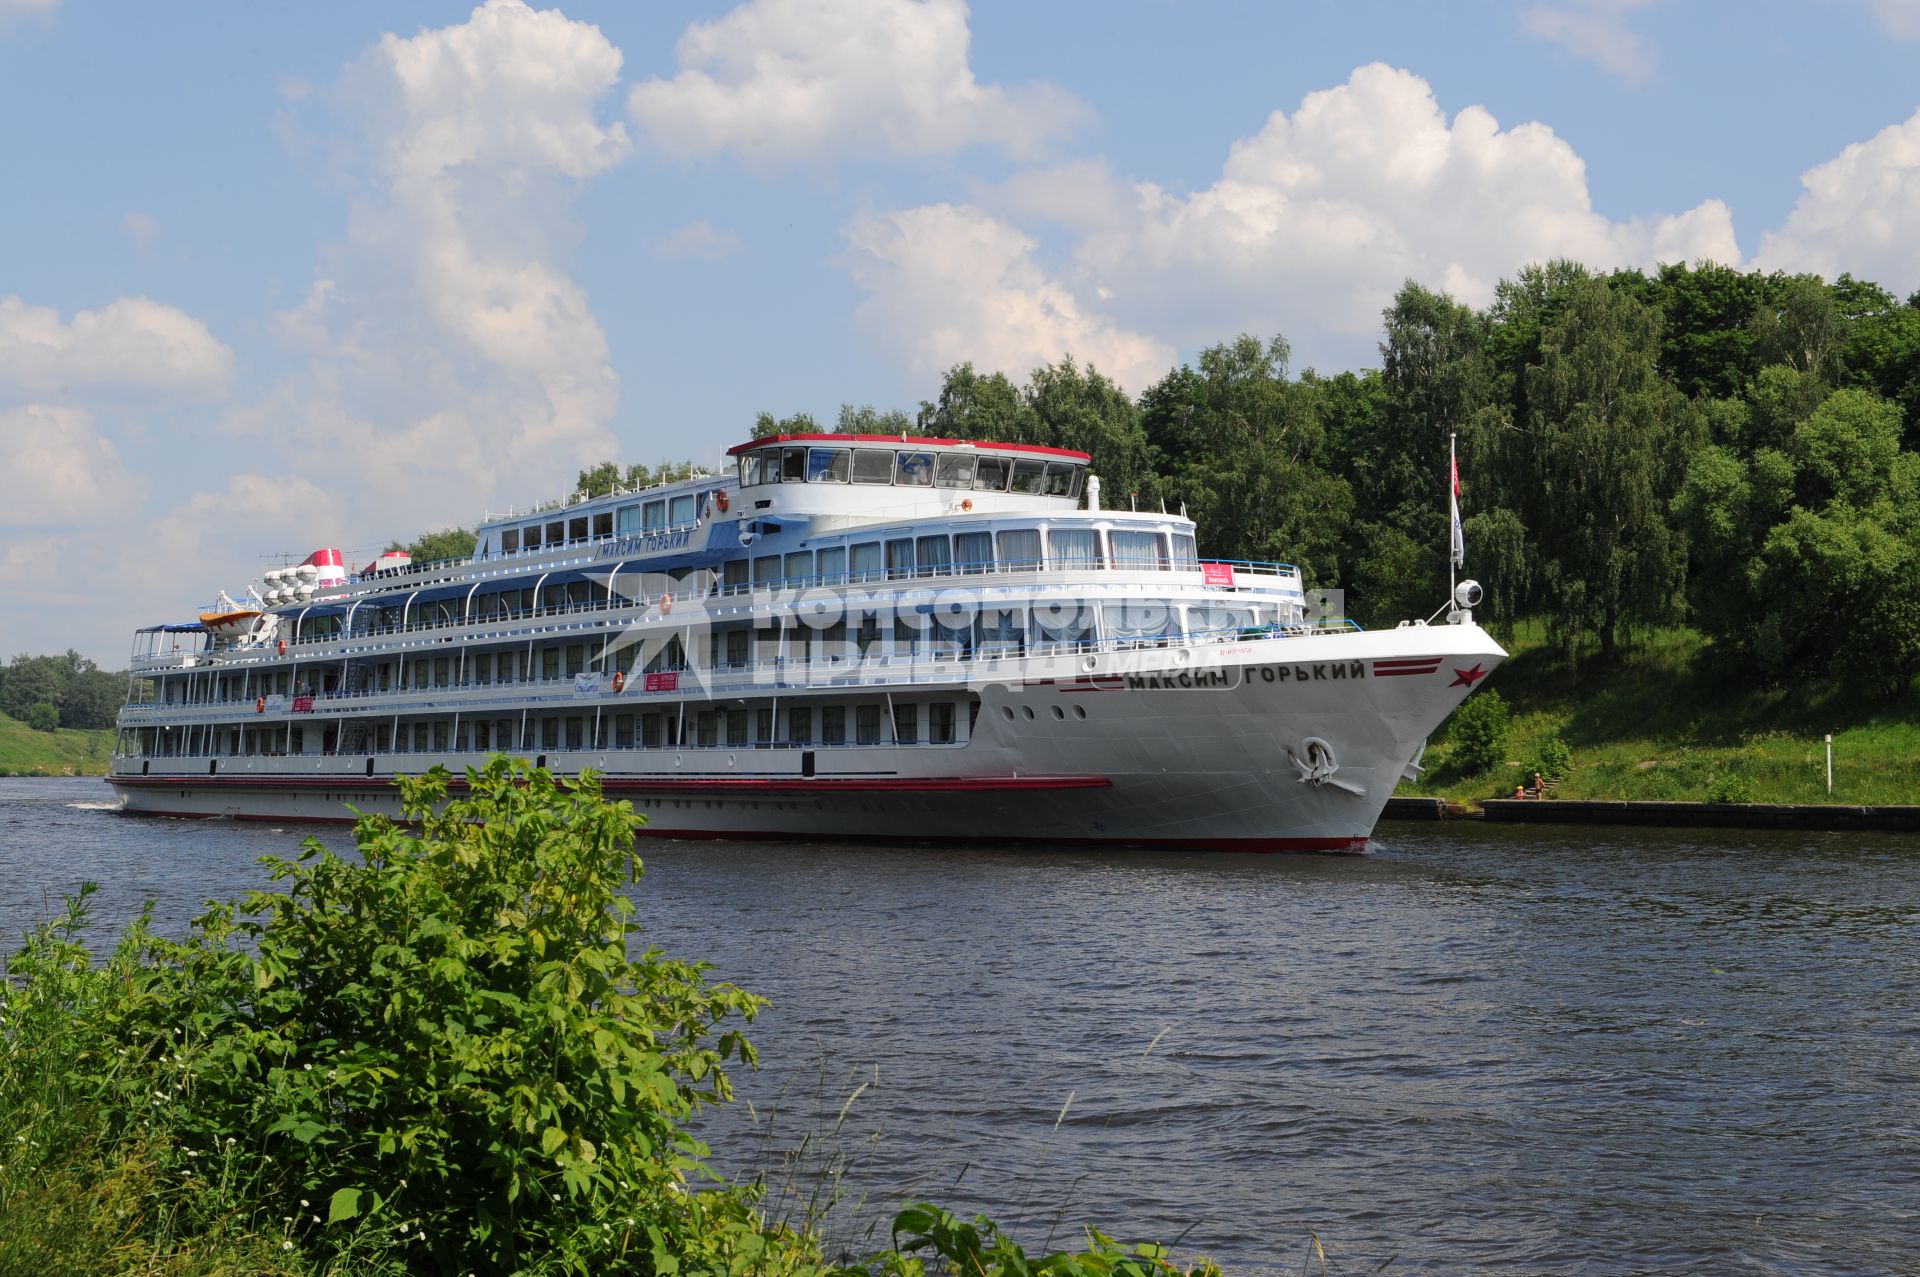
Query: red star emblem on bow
1467	678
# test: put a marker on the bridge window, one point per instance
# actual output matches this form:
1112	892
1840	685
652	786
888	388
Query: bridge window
1029	477
872	465
990	474
829	465
1063	479
793	465
914	469
956	470
752	470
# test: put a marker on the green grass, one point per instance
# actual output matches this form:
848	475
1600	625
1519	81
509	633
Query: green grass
66	752
1675	720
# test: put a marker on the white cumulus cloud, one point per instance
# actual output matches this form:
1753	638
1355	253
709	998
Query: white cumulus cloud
12	11
1597	31
782	82
57	470
134	344
1858	212
948	283
1319	217
450	352
698	239
1899	18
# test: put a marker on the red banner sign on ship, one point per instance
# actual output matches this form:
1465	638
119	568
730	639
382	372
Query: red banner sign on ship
663	682
303	704
1216	574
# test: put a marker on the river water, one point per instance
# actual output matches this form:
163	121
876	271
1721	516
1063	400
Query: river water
1476	1049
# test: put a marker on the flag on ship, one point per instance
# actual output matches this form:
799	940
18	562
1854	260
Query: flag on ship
1459	541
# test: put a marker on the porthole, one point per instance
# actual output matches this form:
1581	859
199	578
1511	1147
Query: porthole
1027	710
1079	711
1058	712
1008	711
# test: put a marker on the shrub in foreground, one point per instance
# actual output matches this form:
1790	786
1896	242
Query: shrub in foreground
447	1057
1479	732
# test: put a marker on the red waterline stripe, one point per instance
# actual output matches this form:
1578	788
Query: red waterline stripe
698	784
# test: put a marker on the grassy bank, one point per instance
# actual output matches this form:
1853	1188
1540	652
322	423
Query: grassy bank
1670	722
66	752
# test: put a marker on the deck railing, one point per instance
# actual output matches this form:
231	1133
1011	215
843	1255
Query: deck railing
956	575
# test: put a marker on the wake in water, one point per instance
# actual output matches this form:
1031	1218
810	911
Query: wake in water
108	804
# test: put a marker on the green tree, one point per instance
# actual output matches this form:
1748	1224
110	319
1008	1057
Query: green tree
1602	455
43	717
447	543
973	406
1078	408
1242	447
766	425
867	420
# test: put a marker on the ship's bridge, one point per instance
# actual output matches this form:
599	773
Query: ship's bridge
883	478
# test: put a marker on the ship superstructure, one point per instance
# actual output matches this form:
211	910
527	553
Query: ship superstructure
843	636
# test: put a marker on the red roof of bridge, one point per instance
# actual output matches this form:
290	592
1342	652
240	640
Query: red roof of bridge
910	441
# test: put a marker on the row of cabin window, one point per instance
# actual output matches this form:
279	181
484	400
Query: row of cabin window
966	553
795	725
626	520
827	725
911	469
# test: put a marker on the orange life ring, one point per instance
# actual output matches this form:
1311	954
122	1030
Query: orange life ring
259	704
283	647
720	500
666	604
619	682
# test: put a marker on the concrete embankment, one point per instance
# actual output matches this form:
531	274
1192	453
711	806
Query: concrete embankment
1557	811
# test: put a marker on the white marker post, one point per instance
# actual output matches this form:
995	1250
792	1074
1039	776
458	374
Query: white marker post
1829	764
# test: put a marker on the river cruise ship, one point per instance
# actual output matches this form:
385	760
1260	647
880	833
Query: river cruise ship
841	637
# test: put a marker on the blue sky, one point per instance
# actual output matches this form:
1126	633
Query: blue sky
278	277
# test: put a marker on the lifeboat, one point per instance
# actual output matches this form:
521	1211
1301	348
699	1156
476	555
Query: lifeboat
227	620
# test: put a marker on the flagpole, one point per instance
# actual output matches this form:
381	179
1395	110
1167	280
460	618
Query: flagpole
1453	506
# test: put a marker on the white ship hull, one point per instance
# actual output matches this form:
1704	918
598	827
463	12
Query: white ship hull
1271	744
